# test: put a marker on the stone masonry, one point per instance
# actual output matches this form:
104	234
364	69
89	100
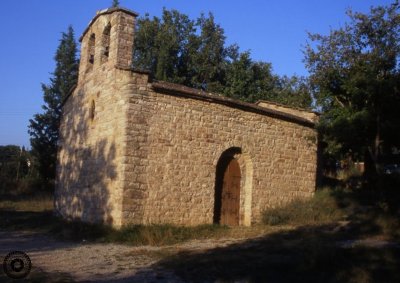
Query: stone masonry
137	151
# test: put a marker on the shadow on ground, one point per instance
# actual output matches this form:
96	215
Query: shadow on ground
362	248
39	276
12	220
303	255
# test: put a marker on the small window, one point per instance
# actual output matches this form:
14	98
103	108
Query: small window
92	110
105	43
91	48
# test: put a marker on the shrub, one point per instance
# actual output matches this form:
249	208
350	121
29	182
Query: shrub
322	208
25	187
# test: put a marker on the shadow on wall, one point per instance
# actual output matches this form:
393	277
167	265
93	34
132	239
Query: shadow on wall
86	171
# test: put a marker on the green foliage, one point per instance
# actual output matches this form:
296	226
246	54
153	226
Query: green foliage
193	52
162	46
209	58
13	162
43	128
355	79
293	91
247	80
16	169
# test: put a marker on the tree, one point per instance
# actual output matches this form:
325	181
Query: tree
354	73
208	62
43	128
292	91
177	49
10	157
115	3
252	81
248	80
15	166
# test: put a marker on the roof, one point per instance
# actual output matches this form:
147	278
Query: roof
180	90
258	102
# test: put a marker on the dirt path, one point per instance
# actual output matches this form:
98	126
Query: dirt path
86	262
90	262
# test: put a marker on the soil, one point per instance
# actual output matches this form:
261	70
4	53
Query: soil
62	261
94	262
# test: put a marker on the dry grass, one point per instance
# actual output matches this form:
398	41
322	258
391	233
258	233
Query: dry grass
35	204
36	213
160	235
321	209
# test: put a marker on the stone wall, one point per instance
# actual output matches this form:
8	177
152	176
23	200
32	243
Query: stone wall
175	145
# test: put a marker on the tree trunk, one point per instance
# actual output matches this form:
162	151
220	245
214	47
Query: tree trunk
372	158
370	172
377	143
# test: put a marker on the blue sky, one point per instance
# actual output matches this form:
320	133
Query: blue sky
273	30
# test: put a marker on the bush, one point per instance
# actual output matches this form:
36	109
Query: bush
25	187
322	208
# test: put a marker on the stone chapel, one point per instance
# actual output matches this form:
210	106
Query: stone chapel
134	150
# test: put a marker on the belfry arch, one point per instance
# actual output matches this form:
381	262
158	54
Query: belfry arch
233	188
105	43
91	49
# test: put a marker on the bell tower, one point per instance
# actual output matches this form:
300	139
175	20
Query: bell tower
107	42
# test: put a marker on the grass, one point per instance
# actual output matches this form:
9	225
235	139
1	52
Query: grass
136	235
322	208
327	206
36	213
153	235
36	203
27	213
159	235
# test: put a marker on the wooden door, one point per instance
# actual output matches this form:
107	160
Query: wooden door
230	198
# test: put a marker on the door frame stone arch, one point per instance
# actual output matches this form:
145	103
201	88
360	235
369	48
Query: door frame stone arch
246	184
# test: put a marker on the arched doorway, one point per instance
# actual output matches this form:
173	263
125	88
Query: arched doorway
227	188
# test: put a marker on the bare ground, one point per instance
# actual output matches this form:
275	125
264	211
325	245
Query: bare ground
93	262
98	262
